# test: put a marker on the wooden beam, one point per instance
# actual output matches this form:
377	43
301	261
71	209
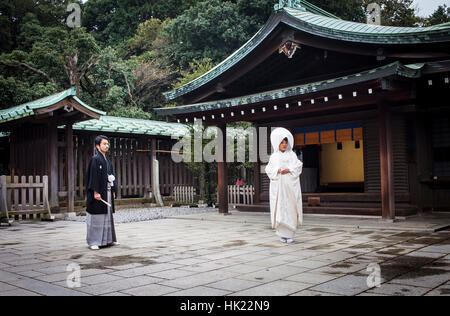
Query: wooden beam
222	174
121	135
320	106
261	53
70	169
152	159
386	162
90	114
53	163
70	102
12	153
424	159
257	168
349	47
147	168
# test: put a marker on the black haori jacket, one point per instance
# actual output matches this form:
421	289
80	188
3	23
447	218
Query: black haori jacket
97	180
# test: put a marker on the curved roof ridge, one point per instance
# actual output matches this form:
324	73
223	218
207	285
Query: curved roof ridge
315	9
243	51
323	26
396	68
360	28
27	109
116	124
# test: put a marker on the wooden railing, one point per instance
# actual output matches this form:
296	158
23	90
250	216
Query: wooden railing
241	195
24	197
184	194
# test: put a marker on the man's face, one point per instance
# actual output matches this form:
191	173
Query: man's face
104	146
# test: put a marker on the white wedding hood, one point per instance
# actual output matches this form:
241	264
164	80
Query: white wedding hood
277	136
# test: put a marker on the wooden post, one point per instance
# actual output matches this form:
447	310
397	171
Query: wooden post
155	175
424	156
70	169
147	169
12	152
222	171
45	191
152	159
4	199
53	164
256	168
386	162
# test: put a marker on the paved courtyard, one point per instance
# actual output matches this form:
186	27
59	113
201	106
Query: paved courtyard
236	255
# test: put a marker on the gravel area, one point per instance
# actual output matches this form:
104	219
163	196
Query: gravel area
148	214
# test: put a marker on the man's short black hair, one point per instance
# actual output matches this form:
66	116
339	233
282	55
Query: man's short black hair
99	138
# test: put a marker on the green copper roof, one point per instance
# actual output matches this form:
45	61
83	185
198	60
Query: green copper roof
132	126
396	68
307	18
28	109
365	33
304	6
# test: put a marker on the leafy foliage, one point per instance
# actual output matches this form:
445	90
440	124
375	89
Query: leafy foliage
440	16
349	10
196	69
129	52
397	12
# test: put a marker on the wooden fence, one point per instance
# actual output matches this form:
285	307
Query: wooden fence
131	161
184	194
242	194
130	156
24	197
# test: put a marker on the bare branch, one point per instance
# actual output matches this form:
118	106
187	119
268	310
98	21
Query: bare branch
21	64
128	86
88	65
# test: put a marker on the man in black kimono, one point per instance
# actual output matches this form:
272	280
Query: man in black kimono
101	191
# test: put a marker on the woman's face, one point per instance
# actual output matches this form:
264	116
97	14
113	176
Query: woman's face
283	145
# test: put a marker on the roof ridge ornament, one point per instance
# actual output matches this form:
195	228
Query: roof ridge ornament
289	48
289	45
294	4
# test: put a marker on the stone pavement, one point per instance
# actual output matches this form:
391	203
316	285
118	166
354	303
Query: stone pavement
236	255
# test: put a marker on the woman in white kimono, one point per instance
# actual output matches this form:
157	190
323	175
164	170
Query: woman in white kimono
283	170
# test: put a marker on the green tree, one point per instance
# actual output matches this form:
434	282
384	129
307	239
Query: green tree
113	21
13	15
440	16
195	70
205	171
147	33
397	12
349	10
215	29
212	29
50	55
154	72
14	91
163	9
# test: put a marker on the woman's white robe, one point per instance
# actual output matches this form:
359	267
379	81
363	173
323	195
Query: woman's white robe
286	208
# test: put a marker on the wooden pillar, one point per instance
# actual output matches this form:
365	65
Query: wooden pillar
152	159
12	153
156	175
145	167
257	168
424	159
386	162
52	143
222	173
70	169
